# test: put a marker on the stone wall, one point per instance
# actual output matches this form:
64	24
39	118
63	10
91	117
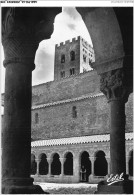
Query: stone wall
67	88
57	121
92	118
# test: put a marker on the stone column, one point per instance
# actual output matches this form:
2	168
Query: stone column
92	158
76	168
49	160
20	39
113	86
38	162
108	162
62	160
127	164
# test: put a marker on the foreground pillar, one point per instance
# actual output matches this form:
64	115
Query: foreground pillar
113	86
20	42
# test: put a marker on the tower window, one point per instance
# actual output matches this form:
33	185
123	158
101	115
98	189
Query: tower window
84	58
36	118
62	58
62	74
72	71
74	112
72	55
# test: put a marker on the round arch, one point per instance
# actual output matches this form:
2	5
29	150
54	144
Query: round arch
104	30
68	164
43	165
100	162
56	164
85	166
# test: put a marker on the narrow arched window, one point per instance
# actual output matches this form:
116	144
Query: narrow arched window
62	58
36	118
72	71
72	55
74	112
84	58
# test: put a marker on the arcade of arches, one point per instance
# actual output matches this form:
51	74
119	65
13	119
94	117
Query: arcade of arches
76	165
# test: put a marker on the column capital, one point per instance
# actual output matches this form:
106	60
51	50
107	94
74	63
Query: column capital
92	158
22	30
112	84
38	160
49	160
62	159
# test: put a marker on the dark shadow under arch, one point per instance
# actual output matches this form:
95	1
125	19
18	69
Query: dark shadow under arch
100	164
85	168
56	165
43	165
68	164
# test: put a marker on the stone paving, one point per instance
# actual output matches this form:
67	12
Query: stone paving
77	188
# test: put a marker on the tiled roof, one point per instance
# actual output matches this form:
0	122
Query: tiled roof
76	140
68	100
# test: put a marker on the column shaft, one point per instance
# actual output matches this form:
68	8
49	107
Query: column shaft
62	166
117	137
49	166
108	162
38	162
16	135
76	168
127	165
92	165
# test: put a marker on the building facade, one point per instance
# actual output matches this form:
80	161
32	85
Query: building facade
70	121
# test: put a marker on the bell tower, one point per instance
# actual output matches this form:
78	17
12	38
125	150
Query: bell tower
72	58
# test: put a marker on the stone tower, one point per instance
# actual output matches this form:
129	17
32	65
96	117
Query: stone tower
72	57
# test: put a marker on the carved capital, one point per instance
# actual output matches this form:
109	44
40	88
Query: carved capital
18	38
112	84
23	28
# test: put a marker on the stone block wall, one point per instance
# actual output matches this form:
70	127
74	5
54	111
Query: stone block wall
57	121
92	118
68	88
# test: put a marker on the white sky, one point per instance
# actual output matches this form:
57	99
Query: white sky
67	25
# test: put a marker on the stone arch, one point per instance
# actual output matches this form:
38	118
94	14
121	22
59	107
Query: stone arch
104	30
130	163
56	164
85	166
68	164
43	165
33	164
100	162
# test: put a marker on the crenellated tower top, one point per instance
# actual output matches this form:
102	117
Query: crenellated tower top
72	57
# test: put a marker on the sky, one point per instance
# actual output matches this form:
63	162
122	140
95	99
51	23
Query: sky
67	25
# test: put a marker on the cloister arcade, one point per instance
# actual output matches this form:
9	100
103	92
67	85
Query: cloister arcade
60	166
